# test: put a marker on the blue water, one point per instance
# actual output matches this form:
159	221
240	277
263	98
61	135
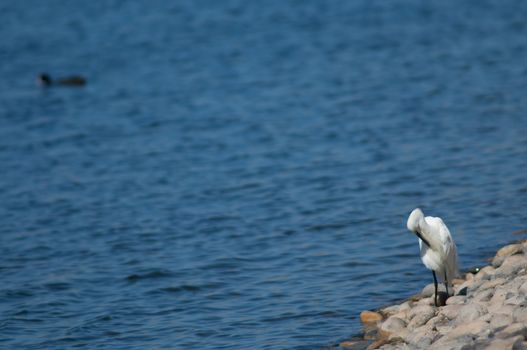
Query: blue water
238	174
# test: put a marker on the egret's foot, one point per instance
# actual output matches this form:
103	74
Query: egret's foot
441	298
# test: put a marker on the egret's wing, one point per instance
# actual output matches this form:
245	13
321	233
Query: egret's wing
448	247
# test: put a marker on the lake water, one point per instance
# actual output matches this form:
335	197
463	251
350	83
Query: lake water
237	175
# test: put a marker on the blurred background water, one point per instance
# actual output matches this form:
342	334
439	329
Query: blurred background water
238	174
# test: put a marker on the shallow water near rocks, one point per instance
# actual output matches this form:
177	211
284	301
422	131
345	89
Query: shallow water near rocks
237	174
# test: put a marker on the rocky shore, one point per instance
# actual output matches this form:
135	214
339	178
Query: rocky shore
487	311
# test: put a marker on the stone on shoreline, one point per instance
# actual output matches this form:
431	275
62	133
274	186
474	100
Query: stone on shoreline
513	343
391	326
472	329
510	249
470	312
369	317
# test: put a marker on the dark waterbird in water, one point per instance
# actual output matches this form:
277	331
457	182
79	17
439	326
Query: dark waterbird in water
438	250
75	80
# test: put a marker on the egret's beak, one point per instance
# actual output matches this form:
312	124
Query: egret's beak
422	239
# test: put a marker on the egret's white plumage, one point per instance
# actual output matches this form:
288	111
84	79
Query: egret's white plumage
438	250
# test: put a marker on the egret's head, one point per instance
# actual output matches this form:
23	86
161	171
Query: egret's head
413	220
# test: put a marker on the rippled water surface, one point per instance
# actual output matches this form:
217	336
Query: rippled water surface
238	174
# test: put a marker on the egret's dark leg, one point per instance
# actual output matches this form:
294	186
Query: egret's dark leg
435	286
446	285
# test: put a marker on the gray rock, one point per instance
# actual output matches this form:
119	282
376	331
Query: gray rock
392	325
516	300
511	265
471	329
397	346
420	315
452	344
429	290
407	305
516	283
502	310
470	312
492	284
489	270
450	311
456	300
403	315
513	330
510	249
520	314
505	344
482	275
421	309
463	286
523	288
497	300
426	301
401	335
497	261
483	295
437	321
473	288
486	318
391	310
500	321
422	337
444	329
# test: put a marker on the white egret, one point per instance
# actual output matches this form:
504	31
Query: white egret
438	250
